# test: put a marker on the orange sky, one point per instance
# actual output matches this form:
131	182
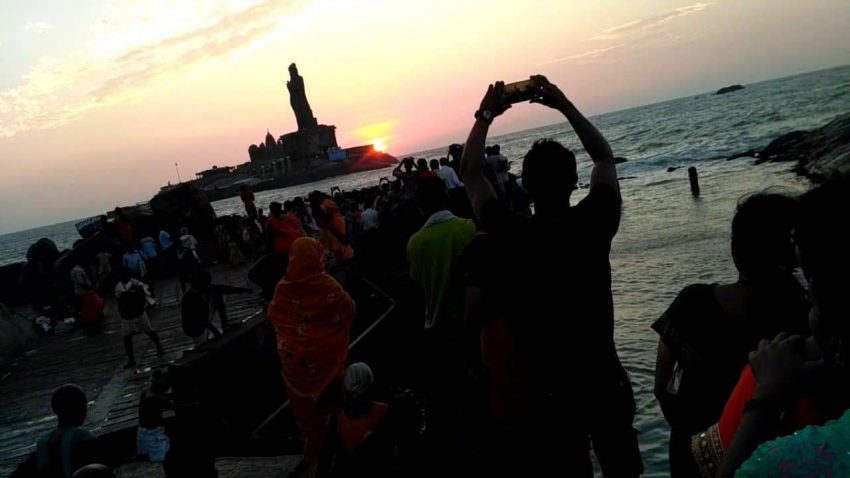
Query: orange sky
97	103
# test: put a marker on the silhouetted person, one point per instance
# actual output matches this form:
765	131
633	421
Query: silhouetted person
455	153
133	299
151	439
261	220
281	231
448	175
709	329
247	198
214	295
188	261
556	293
408	176
63	451
123	228
363	429
433	254
424	172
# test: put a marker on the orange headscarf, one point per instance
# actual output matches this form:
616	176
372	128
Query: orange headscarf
312	316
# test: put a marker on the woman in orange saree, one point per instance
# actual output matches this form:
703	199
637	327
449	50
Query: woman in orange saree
312	317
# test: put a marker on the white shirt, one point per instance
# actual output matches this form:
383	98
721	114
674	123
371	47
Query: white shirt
369	219
82	285
449	176
189	243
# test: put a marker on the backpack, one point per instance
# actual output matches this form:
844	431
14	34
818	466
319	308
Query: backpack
132	303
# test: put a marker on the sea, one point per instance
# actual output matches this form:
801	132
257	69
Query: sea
667	239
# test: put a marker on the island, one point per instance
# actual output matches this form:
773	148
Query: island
309	154
729	89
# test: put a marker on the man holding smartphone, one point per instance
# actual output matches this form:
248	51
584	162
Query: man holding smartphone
556	294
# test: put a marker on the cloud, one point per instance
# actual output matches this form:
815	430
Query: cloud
38	27
635	35
127	54
587	54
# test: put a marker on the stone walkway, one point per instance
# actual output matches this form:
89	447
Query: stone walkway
96	364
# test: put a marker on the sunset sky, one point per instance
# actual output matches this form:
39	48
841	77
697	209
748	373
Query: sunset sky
99	99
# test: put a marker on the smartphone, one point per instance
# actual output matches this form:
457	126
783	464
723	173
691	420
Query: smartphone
520	91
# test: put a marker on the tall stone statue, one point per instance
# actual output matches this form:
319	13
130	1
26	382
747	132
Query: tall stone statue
298	100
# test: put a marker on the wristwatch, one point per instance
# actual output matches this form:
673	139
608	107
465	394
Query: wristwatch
484	115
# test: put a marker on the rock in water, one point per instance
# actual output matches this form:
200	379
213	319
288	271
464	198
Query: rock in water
729	89
821	154
746	154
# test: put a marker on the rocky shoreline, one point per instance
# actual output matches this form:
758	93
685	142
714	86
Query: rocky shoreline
821	154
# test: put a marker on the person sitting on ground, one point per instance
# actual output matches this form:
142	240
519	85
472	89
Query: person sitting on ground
151	439
448	175
709	330
365	443
89	303
794	381
61	452
312	316
133	299
433	254
546	309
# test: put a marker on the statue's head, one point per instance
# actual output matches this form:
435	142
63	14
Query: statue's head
293	70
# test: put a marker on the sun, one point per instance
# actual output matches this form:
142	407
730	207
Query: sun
379	146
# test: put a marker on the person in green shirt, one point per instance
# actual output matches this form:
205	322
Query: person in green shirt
434	258
433	254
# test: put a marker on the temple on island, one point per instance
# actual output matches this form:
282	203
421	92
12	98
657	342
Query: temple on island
312	139
309	154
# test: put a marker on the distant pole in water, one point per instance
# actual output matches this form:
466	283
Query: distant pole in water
178	173
694	177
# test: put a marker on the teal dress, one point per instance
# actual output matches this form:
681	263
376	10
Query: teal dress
822	451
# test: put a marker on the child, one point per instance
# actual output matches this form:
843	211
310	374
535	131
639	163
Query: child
151	439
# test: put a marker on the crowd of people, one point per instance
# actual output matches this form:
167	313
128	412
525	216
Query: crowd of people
517	362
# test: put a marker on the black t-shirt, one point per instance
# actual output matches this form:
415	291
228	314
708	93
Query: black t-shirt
556	284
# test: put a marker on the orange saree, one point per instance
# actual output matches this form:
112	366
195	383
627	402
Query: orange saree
312	317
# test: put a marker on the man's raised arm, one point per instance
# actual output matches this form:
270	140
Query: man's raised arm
604	167
478	188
